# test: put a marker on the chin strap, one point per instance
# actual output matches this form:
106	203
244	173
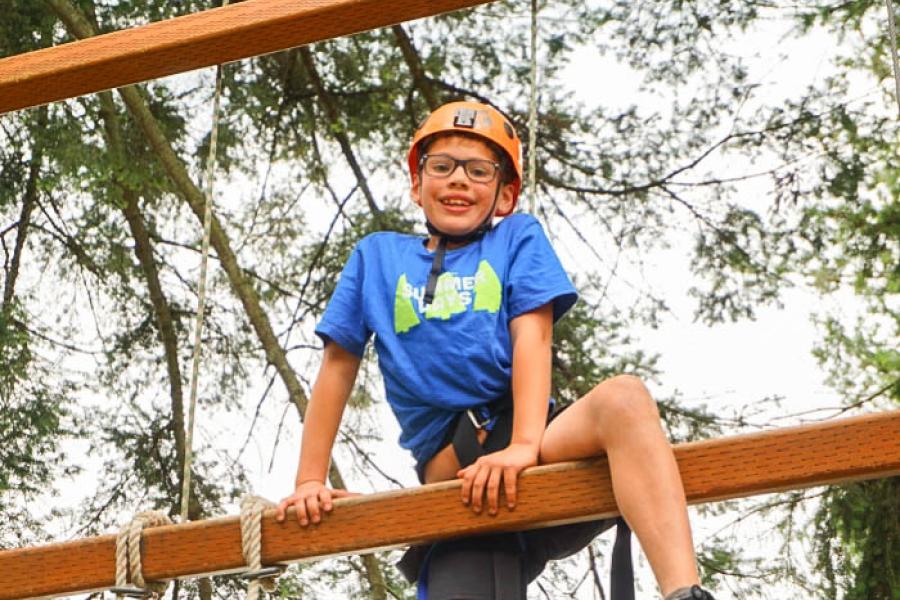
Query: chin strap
437	265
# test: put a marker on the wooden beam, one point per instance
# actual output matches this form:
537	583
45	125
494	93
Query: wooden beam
732	467
215	36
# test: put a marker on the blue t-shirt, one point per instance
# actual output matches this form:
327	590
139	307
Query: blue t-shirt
455	353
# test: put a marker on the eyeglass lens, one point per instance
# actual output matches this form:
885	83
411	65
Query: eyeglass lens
478	169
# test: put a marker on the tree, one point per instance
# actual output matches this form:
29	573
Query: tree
323	130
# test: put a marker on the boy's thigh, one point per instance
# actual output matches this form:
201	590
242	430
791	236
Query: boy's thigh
580	430
572	434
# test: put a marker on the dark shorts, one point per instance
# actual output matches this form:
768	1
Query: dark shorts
448	437
466	568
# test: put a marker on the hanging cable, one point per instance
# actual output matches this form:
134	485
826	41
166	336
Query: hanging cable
532	114
892	31
201	295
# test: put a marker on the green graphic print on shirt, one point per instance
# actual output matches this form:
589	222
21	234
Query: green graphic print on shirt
453	295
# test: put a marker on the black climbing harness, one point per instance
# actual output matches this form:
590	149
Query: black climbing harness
516	558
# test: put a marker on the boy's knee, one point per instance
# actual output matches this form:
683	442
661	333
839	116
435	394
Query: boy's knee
624	399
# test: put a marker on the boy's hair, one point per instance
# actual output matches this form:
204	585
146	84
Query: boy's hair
507	173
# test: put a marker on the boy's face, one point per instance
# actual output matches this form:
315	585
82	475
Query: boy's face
455	204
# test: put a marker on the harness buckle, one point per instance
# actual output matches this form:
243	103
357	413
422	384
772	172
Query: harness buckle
478	424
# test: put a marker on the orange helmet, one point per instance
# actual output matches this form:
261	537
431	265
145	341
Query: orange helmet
473	118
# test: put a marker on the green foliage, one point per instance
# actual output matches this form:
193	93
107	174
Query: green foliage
623	180
16	355
858	536
588	349
34	418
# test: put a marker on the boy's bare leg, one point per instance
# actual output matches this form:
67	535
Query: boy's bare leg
620	418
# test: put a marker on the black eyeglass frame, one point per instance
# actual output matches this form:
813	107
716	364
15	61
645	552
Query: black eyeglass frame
464	163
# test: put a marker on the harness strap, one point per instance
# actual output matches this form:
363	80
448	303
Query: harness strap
437	265
505	565
497	418
621	575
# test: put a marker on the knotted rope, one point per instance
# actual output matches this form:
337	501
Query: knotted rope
252	508
128	557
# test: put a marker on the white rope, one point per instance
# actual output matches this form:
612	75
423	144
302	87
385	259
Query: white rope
128	556
532	114
892	30
252	508
201	297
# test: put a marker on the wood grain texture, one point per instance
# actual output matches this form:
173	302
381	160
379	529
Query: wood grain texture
836	451
190	42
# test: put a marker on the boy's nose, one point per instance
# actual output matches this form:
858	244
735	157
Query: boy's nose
459	174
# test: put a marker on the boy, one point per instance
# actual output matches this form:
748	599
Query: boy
463	329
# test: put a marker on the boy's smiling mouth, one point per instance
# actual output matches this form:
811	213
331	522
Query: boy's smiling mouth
456	201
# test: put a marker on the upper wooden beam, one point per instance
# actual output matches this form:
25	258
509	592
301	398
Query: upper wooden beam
732	467
190	42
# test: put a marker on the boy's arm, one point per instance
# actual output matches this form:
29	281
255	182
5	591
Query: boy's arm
332	388
532	337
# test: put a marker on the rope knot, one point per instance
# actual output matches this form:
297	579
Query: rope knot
252	508
128	557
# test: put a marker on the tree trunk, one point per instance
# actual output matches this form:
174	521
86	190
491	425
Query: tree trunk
414	62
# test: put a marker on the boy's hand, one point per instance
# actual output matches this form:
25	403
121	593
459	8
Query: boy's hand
486	474
310	500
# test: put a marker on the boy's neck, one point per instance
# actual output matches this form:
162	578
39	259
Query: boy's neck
432	244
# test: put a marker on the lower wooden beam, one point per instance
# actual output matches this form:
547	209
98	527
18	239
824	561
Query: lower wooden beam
731	467
211	37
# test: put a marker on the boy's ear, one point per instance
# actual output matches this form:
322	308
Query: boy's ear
415	190
505	199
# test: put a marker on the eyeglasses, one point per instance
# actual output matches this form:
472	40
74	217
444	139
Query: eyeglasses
479	170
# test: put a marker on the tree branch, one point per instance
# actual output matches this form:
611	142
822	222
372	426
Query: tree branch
28	203
335	127
414	62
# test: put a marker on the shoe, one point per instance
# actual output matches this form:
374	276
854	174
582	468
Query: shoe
695	592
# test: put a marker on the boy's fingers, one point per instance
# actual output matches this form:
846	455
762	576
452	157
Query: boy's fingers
478	488
325	499
465	490
493	490
312	506
300	508
509	485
